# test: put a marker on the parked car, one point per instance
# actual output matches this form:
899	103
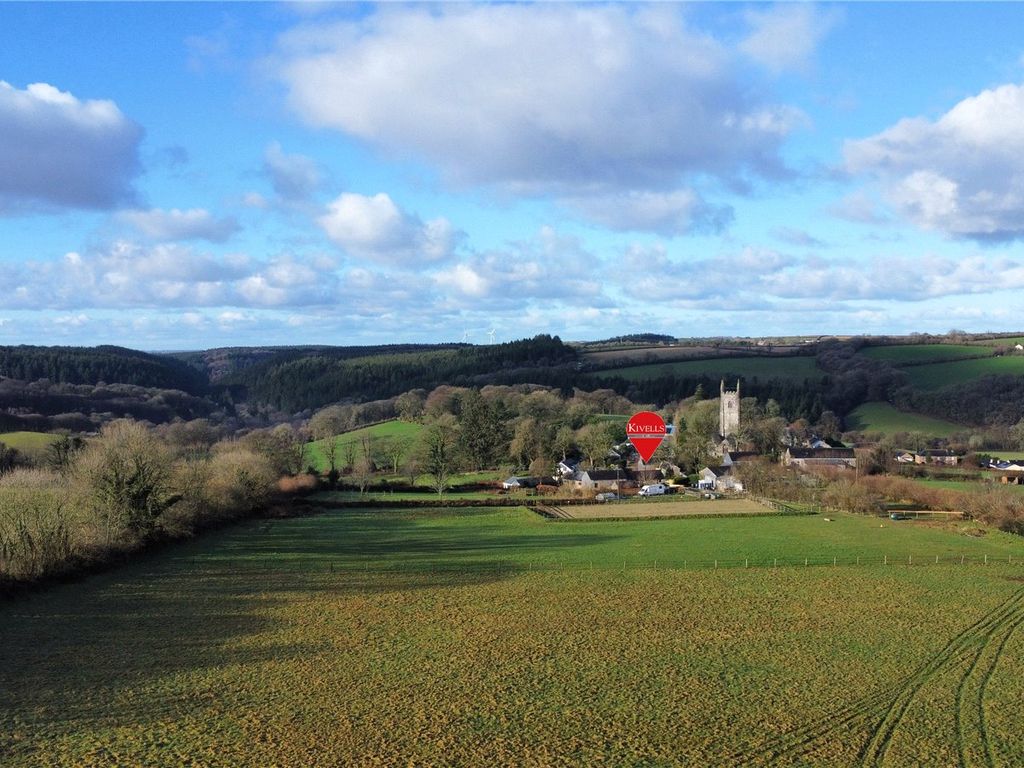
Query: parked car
654	489
606	497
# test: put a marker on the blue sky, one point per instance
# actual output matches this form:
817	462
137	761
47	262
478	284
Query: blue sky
189	175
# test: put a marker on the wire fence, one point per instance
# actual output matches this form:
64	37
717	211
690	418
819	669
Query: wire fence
512	567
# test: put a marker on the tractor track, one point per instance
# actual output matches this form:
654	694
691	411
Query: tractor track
979	635
885	710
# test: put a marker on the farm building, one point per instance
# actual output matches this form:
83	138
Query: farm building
719	478
819	457
599	479
514	483
730	458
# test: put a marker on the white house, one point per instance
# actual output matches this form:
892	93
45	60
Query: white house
718	479
599	479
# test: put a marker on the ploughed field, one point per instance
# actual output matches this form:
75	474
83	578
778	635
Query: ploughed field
492	636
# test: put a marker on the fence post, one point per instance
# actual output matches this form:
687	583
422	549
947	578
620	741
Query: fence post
834	561
805	561
858	559
746	562
910	559
776	563
961	559
986	559
936	559
716	564
886	560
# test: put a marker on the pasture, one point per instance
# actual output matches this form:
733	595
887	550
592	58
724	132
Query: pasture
884	418
33	443
939	375
388	430
788	368
481	638
913	354
671	506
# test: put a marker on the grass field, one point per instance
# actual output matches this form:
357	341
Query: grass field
939	375
790	368
967	485
1008	341
884	418
28	442
377	638
672	507
389	429
904	354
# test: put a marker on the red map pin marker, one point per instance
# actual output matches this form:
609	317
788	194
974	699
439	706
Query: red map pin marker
645	431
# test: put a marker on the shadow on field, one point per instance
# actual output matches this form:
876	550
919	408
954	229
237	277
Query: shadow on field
150	640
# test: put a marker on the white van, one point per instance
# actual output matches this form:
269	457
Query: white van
654	489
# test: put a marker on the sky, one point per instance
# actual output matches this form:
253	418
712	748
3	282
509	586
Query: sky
190	175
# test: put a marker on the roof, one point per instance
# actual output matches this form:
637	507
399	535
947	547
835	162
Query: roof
718	471
821	453
938	452
603	474
743	455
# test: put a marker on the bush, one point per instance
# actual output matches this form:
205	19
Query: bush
36	532
240	480
125	478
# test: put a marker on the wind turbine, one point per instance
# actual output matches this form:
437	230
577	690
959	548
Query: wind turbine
490	334
465	337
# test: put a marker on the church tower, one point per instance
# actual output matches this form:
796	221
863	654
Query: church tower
729	411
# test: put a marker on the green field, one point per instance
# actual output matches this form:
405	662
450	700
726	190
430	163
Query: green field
387	430
1008	341
910	354
939	375
884	418
789	368
493	637
28	442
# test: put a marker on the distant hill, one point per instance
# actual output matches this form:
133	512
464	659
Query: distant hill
103	364
311	379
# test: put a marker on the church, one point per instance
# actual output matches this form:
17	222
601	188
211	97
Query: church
728	419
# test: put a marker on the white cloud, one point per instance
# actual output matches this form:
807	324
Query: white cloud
666	213
59	151
126	274
962	174
293	177
549	98
194	224
374	227
786	36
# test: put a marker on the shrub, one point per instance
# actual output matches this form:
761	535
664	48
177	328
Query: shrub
36	532
125	477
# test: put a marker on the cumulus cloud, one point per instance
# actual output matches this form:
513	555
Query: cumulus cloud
962	174
668	214
563	99
786	36
293	177
374	227
58	151
549	266
127	275
194	224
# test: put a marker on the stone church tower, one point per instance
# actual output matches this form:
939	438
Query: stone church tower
729	411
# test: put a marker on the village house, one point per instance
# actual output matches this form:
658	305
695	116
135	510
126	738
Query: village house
599	479
944	457
905	457
819	457
719	478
